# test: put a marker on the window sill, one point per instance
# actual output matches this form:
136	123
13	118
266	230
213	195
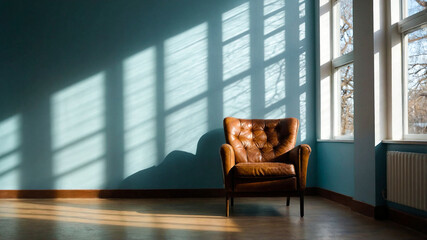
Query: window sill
413	142
336	140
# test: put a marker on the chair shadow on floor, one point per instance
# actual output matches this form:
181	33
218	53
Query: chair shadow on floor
203	207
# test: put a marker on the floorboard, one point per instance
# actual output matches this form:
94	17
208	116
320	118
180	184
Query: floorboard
199	218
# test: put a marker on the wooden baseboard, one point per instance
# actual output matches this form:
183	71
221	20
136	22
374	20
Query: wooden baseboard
345	200
114	193
125	193
333	196
409	220
162	193
362	208
49	193
378	212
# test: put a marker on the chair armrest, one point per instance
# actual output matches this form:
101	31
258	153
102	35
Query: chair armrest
228	161
299	156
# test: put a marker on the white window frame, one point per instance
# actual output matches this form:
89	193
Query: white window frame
338	61
407	25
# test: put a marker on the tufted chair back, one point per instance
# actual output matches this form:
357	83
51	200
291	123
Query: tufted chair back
256	140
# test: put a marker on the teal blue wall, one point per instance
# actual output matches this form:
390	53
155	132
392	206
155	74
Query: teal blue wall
336	169
131	94
407	148
335	165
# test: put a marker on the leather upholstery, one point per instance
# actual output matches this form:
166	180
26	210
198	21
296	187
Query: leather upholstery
260	155
299	156
268	185
260	140
262	170
227	156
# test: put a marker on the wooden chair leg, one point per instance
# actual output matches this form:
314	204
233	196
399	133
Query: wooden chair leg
301	203
288	200
227	206
232	201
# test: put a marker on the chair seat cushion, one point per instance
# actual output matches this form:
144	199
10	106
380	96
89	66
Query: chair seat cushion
246	185
264	170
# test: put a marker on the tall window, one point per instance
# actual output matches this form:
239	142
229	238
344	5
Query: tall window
414	38
342	63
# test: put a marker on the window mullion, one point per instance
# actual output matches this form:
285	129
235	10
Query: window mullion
413	22
404	85
343	60
336	103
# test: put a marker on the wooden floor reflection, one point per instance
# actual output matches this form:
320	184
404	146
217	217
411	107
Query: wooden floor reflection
251	218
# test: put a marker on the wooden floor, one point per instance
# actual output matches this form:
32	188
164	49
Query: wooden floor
251	218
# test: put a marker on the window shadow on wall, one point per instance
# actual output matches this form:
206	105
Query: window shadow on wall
137	92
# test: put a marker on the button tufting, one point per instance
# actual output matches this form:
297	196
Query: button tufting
261	140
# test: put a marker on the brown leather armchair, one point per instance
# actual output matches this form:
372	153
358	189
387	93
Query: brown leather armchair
260	158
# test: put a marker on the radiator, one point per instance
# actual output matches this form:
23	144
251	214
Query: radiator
407	179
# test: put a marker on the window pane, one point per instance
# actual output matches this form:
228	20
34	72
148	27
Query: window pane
415	6
346	26
417	81
347	100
